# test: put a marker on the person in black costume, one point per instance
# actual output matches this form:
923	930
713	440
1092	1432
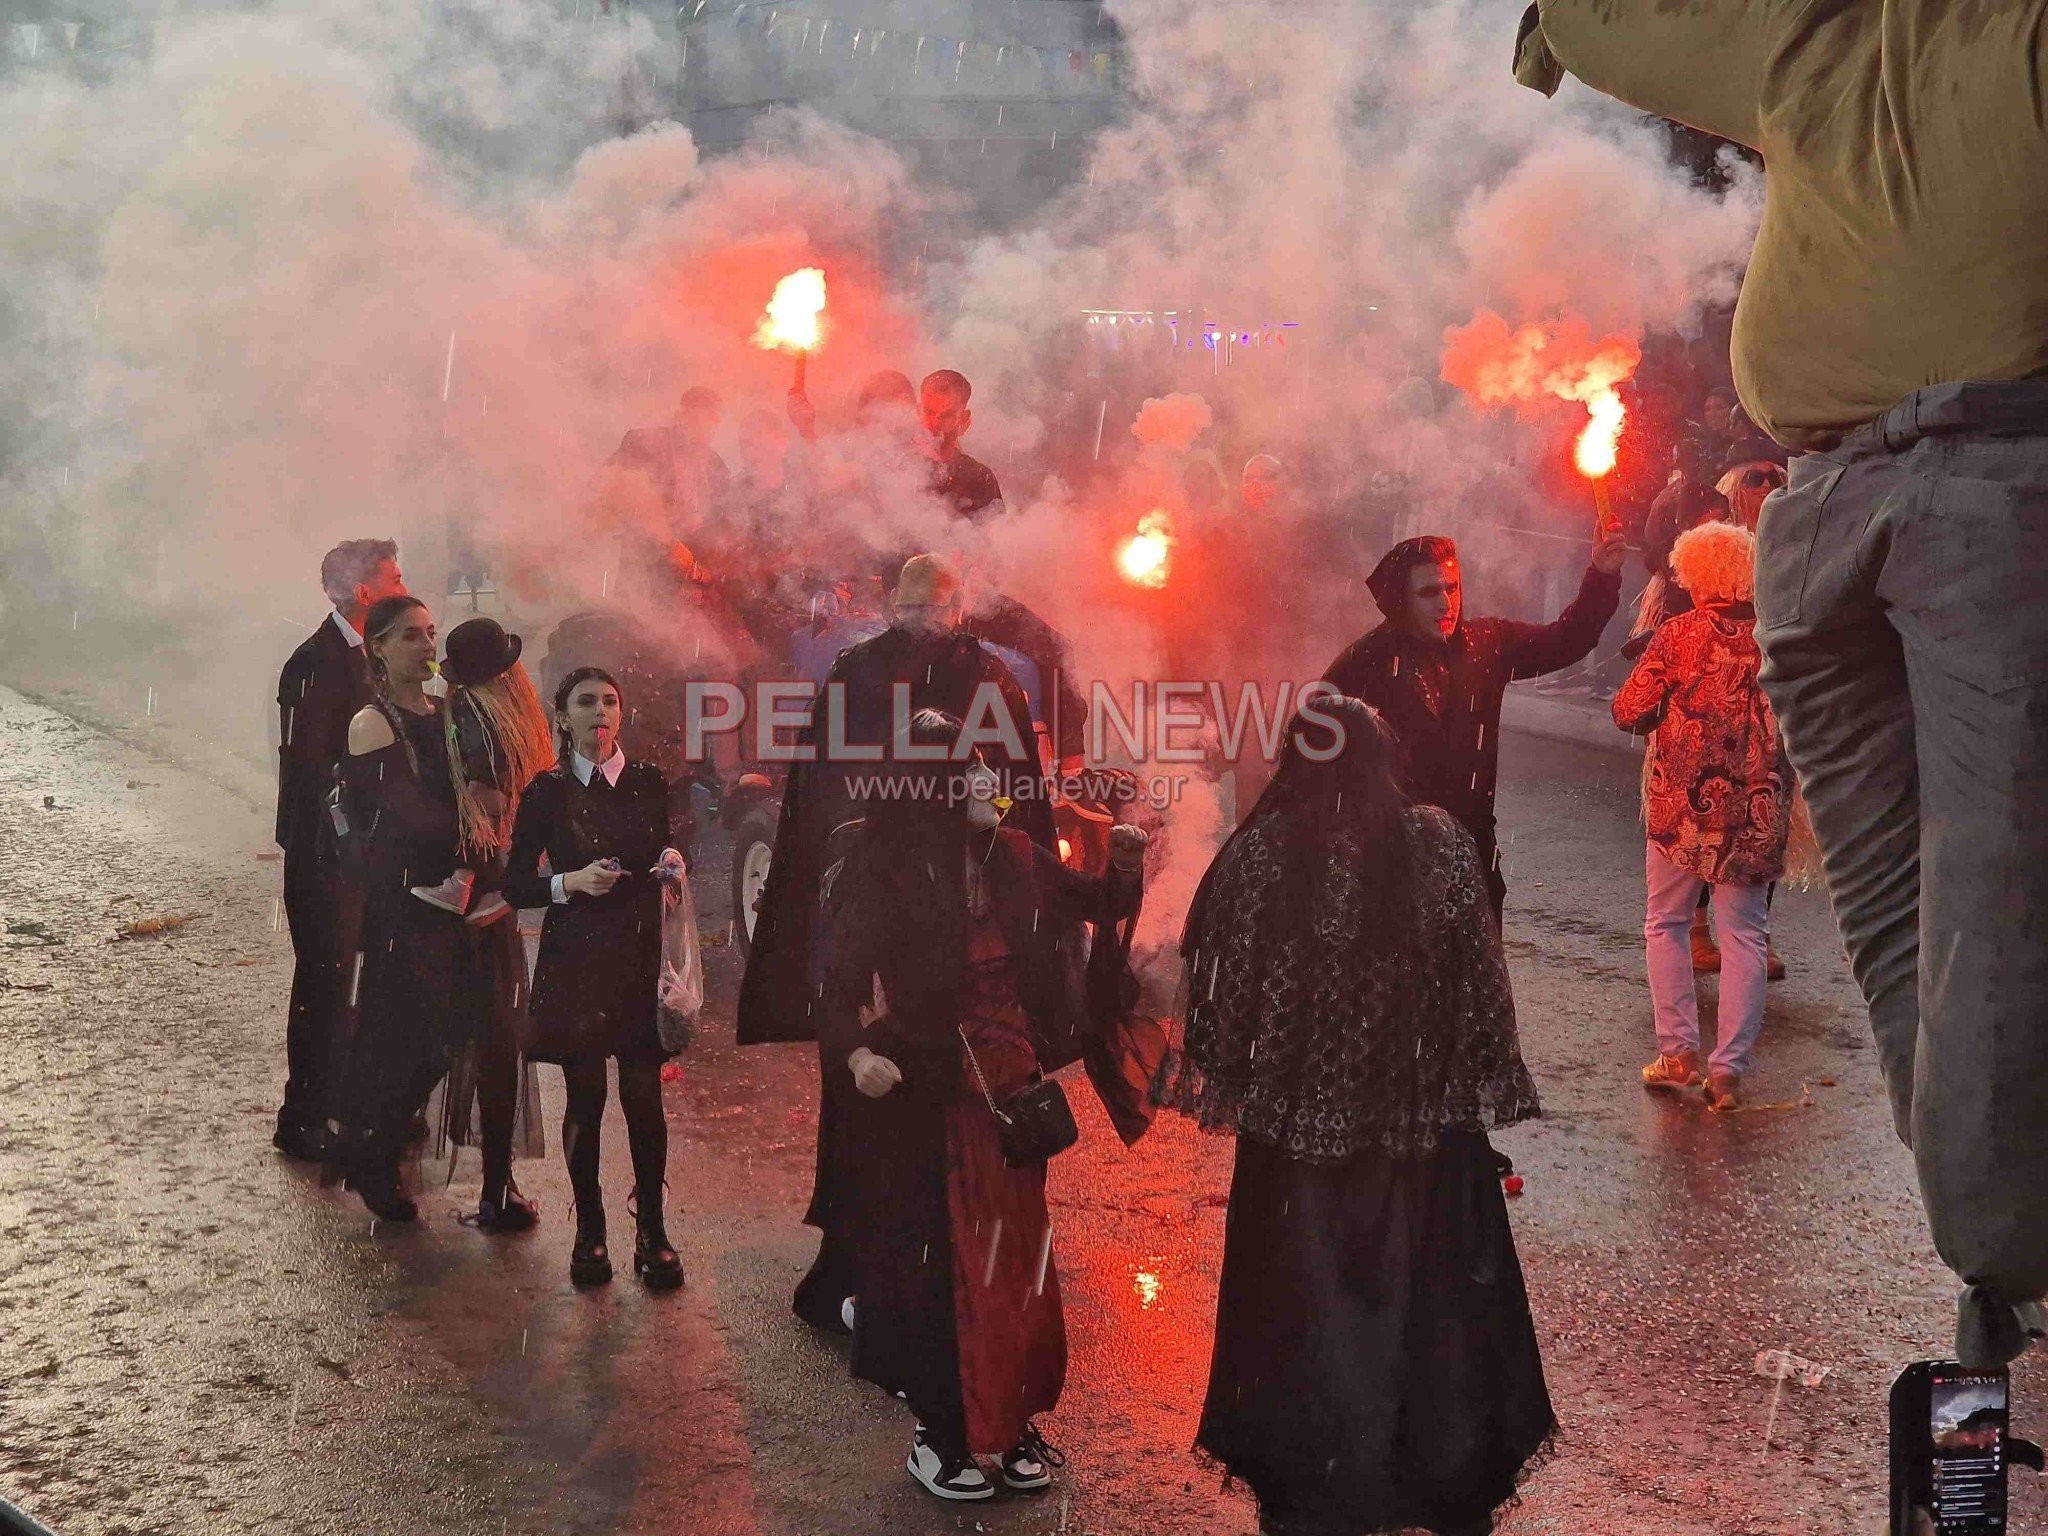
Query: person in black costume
1000	620
943	981
426	984
602	822
498	741
1438	678
943	669
1349	1020
319	691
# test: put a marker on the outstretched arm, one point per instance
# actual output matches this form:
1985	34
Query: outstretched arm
1530	650
1701	62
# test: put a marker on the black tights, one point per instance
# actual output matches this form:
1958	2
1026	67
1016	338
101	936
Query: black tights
497	1094
646	1133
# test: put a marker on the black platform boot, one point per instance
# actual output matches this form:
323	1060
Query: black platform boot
590	1261
655	1259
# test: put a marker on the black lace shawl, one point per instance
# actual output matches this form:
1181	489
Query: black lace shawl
1305	1026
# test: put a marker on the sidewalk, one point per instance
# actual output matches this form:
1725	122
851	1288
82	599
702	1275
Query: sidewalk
1571	715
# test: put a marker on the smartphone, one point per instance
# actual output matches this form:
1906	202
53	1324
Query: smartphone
1948	1454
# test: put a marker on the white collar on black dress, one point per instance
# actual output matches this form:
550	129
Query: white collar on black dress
611	767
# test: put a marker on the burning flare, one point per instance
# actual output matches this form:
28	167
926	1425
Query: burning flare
1142	559
1499	365
1599	443
795	317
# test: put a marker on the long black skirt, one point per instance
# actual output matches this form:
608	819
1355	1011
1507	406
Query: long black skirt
1376	1366
420	997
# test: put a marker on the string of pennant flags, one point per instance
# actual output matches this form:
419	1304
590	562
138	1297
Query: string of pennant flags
934	54
1118	326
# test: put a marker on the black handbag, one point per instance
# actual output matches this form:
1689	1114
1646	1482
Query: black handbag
1034	1124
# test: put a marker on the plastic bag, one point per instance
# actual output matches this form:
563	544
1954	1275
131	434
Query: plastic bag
679	992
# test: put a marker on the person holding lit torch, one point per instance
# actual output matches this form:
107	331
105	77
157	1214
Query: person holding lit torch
1894	328
1438	678
794	323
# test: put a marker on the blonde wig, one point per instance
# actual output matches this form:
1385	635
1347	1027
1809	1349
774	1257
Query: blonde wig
521	746
1716	563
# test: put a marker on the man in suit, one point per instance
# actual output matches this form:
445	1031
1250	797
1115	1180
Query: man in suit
322	686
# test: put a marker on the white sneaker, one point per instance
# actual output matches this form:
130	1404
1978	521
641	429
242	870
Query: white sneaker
1027	1466
963	1483
846	1313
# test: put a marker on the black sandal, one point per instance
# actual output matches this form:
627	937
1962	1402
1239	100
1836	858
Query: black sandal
510	1212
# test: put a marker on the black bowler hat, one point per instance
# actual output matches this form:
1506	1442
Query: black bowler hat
478	650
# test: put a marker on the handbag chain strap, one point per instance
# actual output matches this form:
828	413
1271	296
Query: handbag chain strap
976	1065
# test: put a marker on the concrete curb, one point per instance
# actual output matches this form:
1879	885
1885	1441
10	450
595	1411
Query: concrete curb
1583	722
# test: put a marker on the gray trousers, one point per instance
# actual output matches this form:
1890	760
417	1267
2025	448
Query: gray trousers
1902	607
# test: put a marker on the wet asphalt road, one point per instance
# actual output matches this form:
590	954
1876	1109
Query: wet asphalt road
195	1337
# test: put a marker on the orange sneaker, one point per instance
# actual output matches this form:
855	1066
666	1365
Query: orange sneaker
1724	1093
1774	968
1680	1071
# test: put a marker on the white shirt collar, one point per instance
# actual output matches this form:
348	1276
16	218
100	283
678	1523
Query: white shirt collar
611	767
348	630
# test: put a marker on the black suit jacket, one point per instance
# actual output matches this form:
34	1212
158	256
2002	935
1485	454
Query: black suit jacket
944	672
1443	700
319	691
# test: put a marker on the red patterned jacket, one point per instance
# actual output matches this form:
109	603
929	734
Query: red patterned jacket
1717	791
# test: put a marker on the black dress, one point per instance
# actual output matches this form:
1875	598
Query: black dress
600	956
973	1341
422	991
1381	1294
1376	1367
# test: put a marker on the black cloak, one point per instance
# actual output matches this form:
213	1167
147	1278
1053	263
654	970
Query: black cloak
778	995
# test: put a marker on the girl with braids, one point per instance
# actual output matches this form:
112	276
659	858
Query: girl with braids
415	976
1349	1021
603	824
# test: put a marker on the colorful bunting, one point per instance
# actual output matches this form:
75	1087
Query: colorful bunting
967	57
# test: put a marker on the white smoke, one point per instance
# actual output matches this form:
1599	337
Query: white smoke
332	270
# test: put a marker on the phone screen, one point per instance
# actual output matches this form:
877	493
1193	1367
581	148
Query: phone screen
1966	1425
